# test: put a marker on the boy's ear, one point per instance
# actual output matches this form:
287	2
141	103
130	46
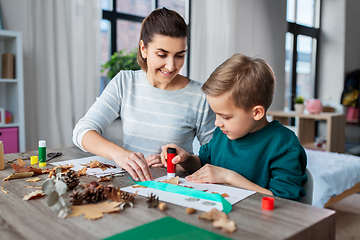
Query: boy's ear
258	112
142	49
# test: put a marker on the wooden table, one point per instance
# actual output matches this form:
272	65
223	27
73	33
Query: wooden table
34	219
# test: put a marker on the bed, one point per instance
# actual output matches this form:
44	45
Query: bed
335	175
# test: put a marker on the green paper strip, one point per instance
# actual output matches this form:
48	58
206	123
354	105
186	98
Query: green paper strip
188	192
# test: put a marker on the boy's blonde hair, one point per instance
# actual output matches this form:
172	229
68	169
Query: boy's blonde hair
250	81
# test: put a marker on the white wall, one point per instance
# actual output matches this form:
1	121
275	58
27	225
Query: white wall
255	28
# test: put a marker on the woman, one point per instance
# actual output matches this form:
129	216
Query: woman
157	105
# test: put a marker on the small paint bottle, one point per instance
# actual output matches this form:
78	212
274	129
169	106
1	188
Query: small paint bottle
42	153
2	161
171	153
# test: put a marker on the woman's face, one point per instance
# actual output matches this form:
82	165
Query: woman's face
165	57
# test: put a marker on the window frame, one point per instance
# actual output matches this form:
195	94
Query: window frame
313	32
112	16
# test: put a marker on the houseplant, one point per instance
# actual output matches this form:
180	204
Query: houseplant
121	60
299	104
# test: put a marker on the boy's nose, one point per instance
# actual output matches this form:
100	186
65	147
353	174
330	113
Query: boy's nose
218	123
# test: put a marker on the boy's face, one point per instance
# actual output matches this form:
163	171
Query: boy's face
233	121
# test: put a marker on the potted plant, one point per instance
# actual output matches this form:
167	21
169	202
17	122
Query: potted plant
299	104
121	60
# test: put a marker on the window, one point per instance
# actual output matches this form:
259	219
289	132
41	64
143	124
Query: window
303	18
121	23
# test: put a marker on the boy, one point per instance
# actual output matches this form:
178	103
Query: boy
246	150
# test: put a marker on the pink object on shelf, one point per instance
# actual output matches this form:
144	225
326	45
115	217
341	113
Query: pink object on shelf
9	136
352	113
314	106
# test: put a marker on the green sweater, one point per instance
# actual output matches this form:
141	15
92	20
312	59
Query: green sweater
271	157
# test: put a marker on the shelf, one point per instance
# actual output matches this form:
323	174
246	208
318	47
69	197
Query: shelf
306	127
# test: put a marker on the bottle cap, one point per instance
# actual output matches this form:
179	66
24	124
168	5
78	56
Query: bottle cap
34	160
42	143
171	150
267	203
170	175
42	164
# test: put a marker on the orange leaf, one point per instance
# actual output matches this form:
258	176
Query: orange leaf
82	172
94	211
105	179
20	162
114	194
94	164
174	181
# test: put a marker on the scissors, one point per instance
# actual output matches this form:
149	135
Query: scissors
53	155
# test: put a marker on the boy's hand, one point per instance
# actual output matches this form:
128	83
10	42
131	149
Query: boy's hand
154	160
181	154
210	174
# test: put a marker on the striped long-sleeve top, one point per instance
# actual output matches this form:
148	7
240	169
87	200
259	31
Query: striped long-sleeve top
151	117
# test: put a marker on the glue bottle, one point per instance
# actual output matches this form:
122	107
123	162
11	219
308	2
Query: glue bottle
171	153
1	155
42	153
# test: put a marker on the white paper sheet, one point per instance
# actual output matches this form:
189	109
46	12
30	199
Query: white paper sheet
235	194
97	172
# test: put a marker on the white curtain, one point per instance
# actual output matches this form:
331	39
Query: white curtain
220	28
61	45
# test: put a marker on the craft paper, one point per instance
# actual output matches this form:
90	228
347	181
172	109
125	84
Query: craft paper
97	172
235	194
167	228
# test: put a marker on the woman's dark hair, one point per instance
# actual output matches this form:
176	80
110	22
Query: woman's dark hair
162	22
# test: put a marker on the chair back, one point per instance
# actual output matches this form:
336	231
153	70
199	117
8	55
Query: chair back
309	186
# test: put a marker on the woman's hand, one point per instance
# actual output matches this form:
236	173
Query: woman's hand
154	161
135	164
210	174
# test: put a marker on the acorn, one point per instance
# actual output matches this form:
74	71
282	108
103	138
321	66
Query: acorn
190	210
162	206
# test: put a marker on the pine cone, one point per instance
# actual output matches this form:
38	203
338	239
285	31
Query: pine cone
71	179
94	195
127	197
152	201
76	198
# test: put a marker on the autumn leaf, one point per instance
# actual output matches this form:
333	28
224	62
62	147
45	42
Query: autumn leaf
225	224
94	164
21	163
174	181
94	211
106	179
212	215
32	195
82	172
34	179
138	186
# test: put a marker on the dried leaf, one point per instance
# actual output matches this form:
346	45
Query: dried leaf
138	186
16	175
31	187
106	179
94	211
225	224
20	162
174	181
82	172
212	215
64	169
94	164
32	195
223	195
34	179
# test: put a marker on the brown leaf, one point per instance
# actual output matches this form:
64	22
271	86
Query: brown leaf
174	181
82	172
212	215
32	195
106	179
21	163
94	211
224	195
34	179
138	186
225	224
64	169
94	164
